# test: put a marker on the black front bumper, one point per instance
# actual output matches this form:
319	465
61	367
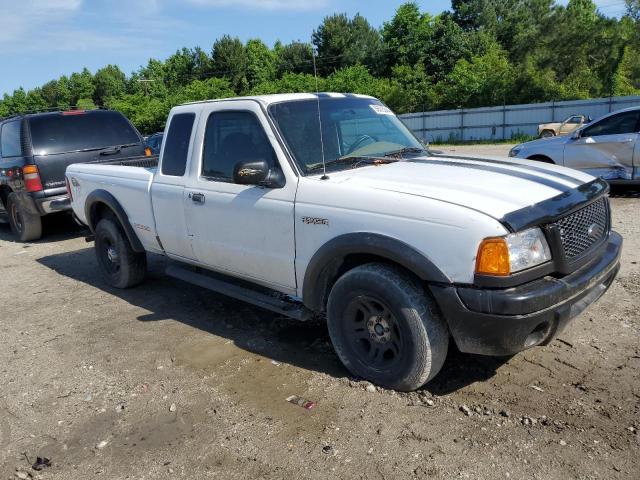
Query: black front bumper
506	321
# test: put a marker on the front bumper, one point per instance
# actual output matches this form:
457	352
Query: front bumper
506	321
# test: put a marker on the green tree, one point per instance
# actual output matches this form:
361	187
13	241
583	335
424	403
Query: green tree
342	41
229	60
35	101
109	82
484	80
261	63
406	35
290	83
81	85
209	89
446	44
357	79
148	114
410	90
295	57
627	75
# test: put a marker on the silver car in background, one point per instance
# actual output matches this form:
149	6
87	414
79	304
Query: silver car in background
608	147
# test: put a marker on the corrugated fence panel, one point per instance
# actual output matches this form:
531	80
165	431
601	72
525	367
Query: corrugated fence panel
509	121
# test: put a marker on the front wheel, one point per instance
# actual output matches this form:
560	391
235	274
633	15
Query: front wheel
24	225
119	264
385	328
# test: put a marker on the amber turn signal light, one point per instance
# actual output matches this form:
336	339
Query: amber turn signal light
493	257
147	152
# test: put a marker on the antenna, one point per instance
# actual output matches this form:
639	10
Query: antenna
315	74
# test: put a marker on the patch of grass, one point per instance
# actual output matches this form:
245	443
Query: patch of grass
456	141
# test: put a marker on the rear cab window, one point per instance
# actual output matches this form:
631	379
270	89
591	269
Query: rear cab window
80	131
176	149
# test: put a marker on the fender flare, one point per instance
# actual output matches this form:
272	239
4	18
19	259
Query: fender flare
102	196
327	262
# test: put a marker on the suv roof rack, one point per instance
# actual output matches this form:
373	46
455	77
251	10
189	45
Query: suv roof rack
50	110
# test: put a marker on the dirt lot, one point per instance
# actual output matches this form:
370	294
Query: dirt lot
172	381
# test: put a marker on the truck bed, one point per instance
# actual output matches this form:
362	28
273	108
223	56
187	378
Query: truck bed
129	181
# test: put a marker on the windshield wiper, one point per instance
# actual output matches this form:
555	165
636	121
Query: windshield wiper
403	151
355	160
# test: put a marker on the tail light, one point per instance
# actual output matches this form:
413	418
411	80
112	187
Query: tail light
69	192
31	177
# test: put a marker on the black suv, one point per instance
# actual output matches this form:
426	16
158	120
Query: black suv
36	149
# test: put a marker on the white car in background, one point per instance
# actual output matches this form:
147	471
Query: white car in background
608	147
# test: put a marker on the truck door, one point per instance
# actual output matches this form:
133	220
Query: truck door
606	148
242	230
168	195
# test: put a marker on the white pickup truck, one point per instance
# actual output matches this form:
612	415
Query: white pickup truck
327	205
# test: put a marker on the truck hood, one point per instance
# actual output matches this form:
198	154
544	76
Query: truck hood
495	186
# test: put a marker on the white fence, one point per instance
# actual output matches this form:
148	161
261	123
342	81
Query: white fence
508	121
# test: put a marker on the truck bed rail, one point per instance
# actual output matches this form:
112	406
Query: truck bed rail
137	161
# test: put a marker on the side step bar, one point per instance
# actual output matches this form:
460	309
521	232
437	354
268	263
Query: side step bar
293	310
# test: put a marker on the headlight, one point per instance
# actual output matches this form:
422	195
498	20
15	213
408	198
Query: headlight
513	253
515	151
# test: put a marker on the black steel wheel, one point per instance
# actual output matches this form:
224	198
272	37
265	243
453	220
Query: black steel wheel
386	328
119	264
372	332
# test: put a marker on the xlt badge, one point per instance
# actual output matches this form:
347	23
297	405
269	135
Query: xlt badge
315	221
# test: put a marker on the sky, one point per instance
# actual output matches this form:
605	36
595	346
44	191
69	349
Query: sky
41	40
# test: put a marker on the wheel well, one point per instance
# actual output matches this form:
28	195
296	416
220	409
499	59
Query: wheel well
100	210
4	194
541	158
338	267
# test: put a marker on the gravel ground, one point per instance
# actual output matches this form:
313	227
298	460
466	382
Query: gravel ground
172	381
501	149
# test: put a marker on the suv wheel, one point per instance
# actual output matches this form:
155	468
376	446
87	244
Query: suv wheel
119	264
25	225
385	328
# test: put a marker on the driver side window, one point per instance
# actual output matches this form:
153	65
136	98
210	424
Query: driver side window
626	122
233	137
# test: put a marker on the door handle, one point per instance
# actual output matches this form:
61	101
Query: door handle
197	197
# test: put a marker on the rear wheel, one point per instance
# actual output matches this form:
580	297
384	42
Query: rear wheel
119	264
547	134
385	328
25	225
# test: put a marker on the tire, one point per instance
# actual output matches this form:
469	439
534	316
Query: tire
119	264
403	343
547	134
24	225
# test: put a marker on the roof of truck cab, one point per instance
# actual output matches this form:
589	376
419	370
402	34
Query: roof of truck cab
284	97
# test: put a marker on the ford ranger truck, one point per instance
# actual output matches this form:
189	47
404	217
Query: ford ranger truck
328	206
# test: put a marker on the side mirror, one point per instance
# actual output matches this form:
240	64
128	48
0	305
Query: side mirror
576	135
252	172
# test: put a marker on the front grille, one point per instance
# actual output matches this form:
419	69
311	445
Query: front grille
584	228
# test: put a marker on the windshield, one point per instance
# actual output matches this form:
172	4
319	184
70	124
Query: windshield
62	133
352	127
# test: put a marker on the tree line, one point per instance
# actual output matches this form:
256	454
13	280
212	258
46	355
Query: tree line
480	53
